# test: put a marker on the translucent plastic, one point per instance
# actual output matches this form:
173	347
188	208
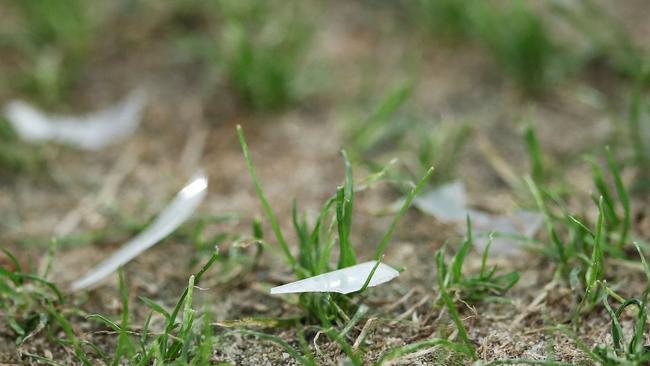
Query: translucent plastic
343	281
447	204
177	212
93	131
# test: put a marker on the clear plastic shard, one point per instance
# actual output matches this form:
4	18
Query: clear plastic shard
519	223
177	212
343	281
447	204
92	131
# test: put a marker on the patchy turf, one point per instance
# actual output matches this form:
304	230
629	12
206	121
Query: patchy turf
374	68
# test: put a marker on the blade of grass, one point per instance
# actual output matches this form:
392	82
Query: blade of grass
344	205
391	228
123	343
265	203
622	196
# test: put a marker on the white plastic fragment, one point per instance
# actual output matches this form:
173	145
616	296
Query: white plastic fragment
343	281
447	204
177	212
92	131
520	223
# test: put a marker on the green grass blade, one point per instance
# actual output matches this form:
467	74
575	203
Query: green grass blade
69	332
123	343
171	323
391	228
459	258
539	200
484	258
455	316
265	203
603	189
156	307
188	320
344	205
534	153
595	271
622	196
616	329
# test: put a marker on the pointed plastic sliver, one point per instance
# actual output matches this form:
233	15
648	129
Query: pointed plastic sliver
343	281
177	212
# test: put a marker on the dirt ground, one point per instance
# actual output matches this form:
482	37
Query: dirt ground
296	153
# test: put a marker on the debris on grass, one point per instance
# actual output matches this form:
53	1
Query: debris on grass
92	131
179	210
343	281
447	204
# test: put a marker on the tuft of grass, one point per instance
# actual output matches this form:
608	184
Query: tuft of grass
260	50
448	19
621	352
31	306
315	250
442	276
519	41
535	154
486	285
316	242
25	298
513	35
17	157
578	245
55	40
523	43
419	144
185	339
639	129
606	40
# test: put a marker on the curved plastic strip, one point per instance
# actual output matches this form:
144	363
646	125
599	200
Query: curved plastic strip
343	281
177	212
447	204
92	131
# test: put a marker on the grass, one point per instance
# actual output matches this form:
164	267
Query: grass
17	157
55	41
638	130
257	51
607	41
519	42
580	247
316	242
261	53
187	335
487	285
514	36
620	352
254	48
418	143
525	44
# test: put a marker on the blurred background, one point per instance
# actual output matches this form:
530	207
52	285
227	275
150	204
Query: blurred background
450	83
